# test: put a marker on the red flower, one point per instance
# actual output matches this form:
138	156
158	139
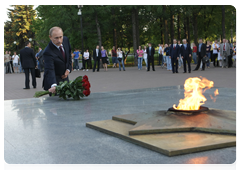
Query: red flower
85	77
84	80
86	92
86	85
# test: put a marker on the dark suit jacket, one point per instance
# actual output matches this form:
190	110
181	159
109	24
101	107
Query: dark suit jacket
95	54
54	64
27	58
203	50
174	53
185	52
152	52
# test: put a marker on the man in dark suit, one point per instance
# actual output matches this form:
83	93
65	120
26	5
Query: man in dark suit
150	56
201	52
186	53
174	53
28	62
57	60
97	58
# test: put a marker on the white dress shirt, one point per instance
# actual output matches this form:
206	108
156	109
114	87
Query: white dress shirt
86	55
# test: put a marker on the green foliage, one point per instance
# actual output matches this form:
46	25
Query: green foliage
72	89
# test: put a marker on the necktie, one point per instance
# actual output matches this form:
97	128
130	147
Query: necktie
174	47
224	47
63	54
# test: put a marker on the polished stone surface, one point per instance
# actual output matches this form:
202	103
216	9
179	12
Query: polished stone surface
50	130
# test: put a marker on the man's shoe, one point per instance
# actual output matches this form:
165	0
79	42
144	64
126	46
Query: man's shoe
153	70
189	72
184	72
176	71
202	70
26	88
34	87
194	70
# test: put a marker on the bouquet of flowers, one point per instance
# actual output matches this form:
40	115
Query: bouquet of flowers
76	88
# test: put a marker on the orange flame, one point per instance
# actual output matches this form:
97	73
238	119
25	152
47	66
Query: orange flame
194	87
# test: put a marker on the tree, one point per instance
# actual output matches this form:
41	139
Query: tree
19	28
223	22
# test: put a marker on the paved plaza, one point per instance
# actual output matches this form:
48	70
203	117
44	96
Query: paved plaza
53	131
115	80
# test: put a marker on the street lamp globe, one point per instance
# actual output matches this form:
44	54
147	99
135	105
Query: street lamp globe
30	39
14	42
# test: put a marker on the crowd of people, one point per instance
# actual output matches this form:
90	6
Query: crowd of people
214	53
57	60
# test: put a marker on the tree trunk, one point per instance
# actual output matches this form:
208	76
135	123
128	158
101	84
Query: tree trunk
195	29
235	27
223	22
114	29
161	27
188	31
134	34
185	26
98	31
171	25
165	25
178	26
137	27
231	32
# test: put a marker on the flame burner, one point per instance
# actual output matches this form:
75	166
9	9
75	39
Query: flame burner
187	112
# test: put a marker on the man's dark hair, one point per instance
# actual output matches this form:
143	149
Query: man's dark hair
200	39
150	43
27	42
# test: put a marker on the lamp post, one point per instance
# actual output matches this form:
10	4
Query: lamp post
15	42
80	14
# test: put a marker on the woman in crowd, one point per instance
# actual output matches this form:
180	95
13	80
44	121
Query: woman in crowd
140	57
86	60
194	53
104	58
235	57
120	59
145	56
169	64
208	53
219	56
15	59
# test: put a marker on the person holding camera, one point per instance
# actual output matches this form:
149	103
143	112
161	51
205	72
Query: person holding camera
120	59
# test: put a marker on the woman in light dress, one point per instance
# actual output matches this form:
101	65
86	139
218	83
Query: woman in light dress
145	56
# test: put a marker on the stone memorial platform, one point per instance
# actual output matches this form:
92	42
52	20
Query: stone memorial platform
50	130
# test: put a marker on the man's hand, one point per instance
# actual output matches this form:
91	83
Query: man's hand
190	55
52	90
65	75
177	58
182	57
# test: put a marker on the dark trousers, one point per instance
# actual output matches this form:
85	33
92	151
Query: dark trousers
188	60
230	61
8	67
174	64
199	62
96	61
214	60
84	63
160	59
32	70
11	63
151	60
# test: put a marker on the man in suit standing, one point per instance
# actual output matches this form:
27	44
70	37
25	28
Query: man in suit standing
174	53
201	52
97	58
186	53
150	56
28	62
224	52
57	60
